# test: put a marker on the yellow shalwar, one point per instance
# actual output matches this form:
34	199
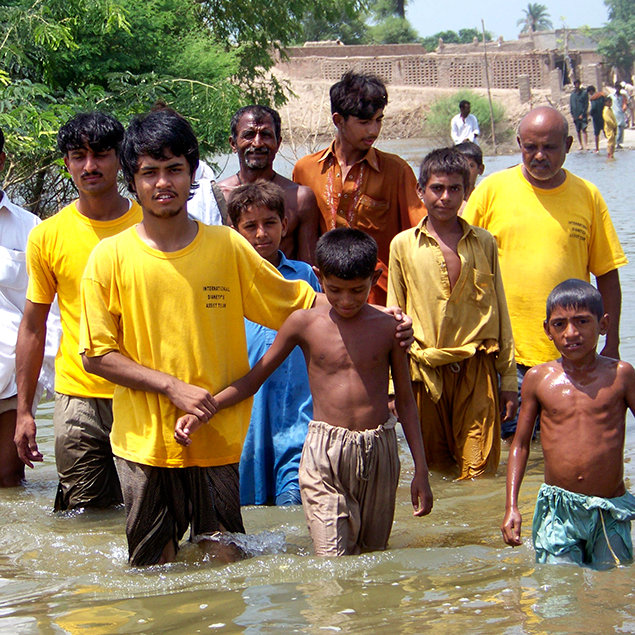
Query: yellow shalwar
463	343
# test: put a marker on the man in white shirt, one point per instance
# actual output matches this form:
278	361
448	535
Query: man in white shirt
464	126
15	225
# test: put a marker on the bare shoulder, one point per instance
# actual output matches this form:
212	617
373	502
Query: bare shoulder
378	320
228	184
304	196
624	370
535	375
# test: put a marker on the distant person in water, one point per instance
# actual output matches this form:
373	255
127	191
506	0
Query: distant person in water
596	100
583	512
610	127
579	106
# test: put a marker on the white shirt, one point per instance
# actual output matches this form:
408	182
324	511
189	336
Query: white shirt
15	226
464	130
203	205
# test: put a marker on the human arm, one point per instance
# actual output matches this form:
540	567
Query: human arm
611	292
420	492
28	360
518	455
287	338
122	370
505	360
309	226
630	386
454	130
475	129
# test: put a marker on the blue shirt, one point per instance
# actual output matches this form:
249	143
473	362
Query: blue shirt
281	411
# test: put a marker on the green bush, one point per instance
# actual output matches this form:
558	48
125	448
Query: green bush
437	124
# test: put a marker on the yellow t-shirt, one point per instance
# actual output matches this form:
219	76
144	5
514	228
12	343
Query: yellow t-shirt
57	252
544	237
181	313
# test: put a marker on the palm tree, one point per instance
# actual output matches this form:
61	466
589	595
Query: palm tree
536	18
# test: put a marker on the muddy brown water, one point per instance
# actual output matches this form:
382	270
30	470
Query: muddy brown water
447	573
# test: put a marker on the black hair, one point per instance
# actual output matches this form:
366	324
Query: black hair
153	134
346	253
444	161
359	95
590	89
576	294
1	141
261	192
98	130
260	113
464	102
471	150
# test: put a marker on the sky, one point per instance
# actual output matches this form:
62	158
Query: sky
429	17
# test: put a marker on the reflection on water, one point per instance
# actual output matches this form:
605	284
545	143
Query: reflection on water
447	573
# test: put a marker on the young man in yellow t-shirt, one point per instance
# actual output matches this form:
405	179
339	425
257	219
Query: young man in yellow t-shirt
162	317
57	252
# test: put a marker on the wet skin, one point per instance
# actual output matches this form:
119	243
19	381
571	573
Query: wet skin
583	399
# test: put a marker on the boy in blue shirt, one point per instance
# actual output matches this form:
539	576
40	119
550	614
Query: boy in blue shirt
283	406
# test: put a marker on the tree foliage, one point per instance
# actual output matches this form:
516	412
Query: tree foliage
617	43
464	36
345	22
536	18
203	57
383	9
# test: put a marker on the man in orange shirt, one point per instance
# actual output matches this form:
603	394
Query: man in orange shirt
355	184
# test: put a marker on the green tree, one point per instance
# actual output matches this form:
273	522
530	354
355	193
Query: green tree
383	9
389	23
60	57
347	25
464	36
536	18
393	30
617	43
203	57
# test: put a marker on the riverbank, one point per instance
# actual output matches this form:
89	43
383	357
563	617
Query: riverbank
307	126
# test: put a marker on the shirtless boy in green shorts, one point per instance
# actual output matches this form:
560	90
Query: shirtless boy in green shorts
349	469
583	511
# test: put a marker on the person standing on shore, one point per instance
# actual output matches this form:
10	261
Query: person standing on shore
550	225
464	126
256	137
355	184
579	105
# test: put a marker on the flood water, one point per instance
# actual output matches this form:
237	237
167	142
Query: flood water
447	573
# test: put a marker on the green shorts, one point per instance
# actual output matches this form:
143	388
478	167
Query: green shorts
585	530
